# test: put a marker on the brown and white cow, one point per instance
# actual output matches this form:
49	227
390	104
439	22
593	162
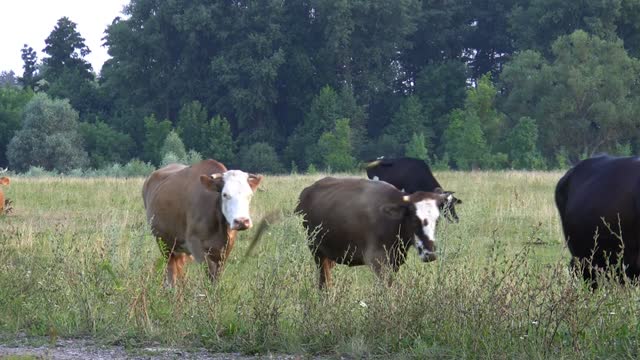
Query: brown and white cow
363	222
3	181
196	211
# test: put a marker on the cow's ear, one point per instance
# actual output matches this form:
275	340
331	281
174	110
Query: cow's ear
445	198
212	182
394	211
4	180
453	200
254	181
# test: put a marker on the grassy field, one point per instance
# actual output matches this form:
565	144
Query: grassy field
77	260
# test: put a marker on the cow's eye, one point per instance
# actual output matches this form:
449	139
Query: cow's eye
225	195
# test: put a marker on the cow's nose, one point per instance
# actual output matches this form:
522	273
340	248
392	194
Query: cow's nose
242	223
430	256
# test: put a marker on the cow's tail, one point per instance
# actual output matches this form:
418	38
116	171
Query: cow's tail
266	221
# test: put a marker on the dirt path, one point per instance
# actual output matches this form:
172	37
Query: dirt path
85	349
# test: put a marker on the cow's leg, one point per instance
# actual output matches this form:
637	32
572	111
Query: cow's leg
214	263
325	265
228	248
172	270
168	254
180	259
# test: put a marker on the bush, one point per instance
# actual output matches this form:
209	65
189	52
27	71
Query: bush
136	168
193	157
260	157
170	158
174	145
416	148
335	147
38	171
522	141
49	137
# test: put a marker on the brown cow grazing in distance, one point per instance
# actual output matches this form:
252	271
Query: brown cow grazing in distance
196	211
363	222
3	181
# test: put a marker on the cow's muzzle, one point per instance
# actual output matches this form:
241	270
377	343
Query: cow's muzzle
426	250
241	224
428	256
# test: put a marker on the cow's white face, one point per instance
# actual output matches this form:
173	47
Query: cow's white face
427	213
236	196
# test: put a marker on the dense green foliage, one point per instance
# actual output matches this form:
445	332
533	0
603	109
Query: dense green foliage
228	75
49	137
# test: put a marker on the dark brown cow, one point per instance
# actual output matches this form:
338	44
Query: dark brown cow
364	222
197	211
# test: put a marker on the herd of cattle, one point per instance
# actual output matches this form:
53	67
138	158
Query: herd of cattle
196	211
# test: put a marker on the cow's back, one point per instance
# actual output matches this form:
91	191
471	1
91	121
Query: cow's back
406	174
347	215
600	188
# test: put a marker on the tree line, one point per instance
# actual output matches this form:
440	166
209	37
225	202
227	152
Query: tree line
277	86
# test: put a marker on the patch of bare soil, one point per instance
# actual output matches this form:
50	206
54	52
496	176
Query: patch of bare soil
72	349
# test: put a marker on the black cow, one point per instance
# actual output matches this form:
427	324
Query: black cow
599	205
411	175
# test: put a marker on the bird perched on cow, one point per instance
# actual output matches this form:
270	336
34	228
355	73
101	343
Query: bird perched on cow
411	175
196	211
363	222
599	204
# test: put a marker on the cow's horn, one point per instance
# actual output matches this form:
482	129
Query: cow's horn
373	163
216	176
405	198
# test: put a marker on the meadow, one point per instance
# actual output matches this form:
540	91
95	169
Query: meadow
77	260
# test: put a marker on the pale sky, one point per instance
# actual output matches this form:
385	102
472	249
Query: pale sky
31	22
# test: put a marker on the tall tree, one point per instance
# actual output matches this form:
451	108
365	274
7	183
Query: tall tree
29	77
489	43
220	144
8	78
320	118
409	119
465	142
192	126
535	24
68	74
441	35
589	100
155	134
66	50
335	147
105	145
441	88
12	105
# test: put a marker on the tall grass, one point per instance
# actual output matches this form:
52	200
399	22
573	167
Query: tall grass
77	259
